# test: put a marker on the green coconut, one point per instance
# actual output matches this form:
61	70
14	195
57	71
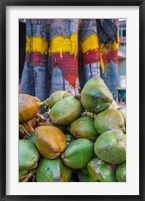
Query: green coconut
101	171
28	157
65	111
23	173
110	146
123	112
53	171
83	175
31	138
83	127
69	138
109	119
54	98
114	105
95	95
121	172
78	153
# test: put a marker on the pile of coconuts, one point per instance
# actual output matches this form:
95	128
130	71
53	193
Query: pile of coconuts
78	139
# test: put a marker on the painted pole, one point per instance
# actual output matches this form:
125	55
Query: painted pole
39	57
63	55
36	55
27	85
109	44
90	48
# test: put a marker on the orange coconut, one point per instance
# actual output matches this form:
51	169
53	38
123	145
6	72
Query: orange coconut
50	141
28	107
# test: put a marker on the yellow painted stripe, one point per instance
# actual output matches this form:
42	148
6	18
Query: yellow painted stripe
74	44
62	44
36	44
101	61
90	43
111	46
28	44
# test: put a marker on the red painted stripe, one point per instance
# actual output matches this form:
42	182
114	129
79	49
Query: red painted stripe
91	56
68	64
35	57
110	56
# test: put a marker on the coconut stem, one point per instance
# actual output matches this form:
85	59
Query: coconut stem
29	127
44	104
29	176
89	114
40	116
22	129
